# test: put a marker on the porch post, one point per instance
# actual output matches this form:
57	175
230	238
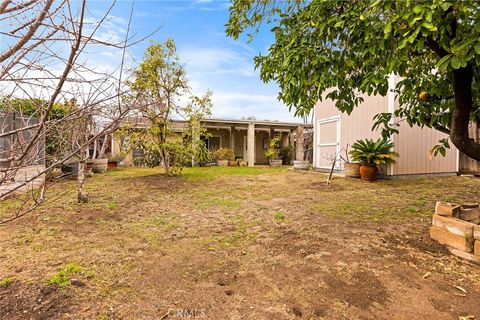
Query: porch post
232	139
299	152
251	144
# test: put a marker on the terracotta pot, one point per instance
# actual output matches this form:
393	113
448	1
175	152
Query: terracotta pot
275	162
112	165
352	170
368	172
232	163
222	163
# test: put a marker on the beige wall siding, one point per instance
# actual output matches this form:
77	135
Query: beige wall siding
413	144
357	125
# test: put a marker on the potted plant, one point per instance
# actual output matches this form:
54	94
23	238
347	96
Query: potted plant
241	162
352	169
370	154
113	161
273	152
223	155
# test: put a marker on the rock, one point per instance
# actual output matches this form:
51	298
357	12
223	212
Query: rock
77	283
229	292
297	311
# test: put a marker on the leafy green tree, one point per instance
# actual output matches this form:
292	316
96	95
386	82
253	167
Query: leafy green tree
335	49
160	80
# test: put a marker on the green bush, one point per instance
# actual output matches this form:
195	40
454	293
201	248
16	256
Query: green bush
287	154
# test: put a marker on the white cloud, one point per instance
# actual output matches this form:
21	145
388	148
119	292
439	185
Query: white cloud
217	60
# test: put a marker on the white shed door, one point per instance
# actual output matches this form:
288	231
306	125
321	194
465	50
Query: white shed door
328	142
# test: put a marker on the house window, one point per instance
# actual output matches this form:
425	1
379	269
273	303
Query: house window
213	143
265	143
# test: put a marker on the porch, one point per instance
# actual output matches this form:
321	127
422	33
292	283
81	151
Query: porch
249	139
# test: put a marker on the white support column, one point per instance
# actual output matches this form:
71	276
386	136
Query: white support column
232	139
251	144
299	152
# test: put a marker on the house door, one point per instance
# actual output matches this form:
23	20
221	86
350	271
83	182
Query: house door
328	142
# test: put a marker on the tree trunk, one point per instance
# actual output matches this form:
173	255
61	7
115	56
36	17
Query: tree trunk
166	161
101	153
462	87
82	196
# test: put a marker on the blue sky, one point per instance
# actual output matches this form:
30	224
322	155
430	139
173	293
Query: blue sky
213	61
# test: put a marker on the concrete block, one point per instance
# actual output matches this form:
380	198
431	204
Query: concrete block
451	240
453	225
447	209
470	214
476	232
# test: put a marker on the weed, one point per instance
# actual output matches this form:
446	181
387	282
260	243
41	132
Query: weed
6	282
112	205
280	216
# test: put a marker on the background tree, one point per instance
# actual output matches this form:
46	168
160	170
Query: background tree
43	57
335	49
159	82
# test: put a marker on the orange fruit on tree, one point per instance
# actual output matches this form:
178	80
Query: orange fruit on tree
423	95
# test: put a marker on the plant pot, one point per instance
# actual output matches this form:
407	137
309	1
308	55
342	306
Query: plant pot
301	164
100	165
5	163
352	170
275	162
222	163
112	165
232	163
368	172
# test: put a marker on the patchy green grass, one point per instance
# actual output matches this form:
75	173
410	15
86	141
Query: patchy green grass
144	236
211	173
62	277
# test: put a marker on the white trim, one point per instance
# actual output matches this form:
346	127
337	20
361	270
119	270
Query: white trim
457	160
391	109
317	145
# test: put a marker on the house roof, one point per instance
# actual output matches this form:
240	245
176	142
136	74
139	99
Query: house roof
142	122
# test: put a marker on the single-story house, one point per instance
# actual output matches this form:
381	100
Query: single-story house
248	138
334	131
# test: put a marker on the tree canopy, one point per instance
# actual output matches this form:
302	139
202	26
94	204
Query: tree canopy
336	49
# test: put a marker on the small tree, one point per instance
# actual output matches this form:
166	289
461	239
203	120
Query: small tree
159	82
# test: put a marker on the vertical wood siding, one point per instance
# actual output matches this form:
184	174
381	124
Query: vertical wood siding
413	144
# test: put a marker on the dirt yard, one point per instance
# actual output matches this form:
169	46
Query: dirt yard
236	243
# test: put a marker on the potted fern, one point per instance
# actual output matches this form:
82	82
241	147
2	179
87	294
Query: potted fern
370	154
